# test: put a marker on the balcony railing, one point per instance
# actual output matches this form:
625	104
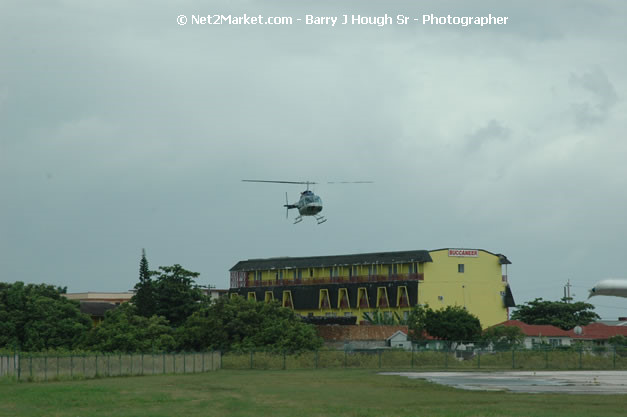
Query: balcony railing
336	280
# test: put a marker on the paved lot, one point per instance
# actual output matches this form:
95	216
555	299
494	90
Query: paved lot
571	382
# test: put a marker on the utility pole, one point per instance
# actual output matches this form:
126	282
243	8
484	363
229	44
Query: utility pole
567	291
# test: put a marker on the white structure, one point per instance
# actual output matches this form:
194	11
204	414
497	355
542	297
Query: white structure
399	340
611	287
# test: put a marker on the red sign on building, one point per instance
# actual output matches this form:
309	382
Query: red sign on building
464	253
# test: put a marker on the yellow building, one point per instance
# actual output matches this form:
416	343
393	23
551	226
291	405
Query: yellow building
350	285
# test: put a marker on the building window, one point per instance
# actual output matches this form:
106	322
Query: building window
310	272
460	268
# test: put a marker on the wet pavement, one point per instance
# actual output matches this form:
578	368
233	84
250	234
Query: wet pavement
568	382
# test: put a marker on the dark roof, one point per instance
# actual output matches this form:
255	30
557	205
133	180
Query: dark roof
337	260
96	308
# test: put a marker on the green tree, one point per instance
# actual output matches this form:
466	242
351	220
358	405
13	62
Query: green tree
502	337
176	295
238	324
417	322
562	314
37	317
144	298
124	330
453	324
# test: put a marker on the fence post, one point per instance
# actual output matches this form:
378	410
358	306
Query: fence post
412	355
71	366
546	358
380	352
96	365
174	363
184	367
120	363
284	367
194	362
513	357
316	359
30	365
251	359
164	363
57	366
580	356
84	373
19	365
479	359
345	358
446	349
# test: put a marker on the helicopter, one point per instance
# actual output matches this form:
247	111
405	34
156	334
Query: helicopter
309	204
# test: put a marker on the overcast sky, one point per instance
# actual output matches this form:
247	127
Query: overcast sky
121	130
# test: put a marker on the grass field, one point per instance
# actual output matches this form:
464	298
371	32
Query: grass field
298	393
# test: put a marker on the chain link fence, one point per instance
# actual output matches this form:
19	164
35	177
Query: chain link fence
432	359
46	367
49	367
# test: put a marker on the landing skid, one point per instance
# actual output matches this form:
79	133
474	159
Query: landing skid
319	219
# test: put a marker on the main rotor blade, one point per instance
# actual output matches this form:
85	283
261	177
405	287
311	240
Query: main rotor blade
283	182
350	182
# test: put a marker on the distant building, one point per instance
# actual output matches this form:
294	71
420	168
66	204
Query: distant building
391	282
116	298
596	334
96	304
360	337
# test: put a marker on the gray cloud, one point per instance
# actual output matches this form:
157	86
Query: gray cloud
484	136
603	97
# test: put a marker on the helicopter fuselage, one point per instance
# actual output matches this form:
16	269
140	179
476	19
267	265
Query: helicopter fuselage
309	204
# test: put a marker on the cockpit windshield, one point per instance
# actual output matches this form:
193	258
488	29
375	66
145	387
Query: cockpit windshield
311	199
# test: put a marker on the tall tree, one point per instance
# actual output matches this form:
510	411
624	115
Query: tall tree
176	294
144	298
562	314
